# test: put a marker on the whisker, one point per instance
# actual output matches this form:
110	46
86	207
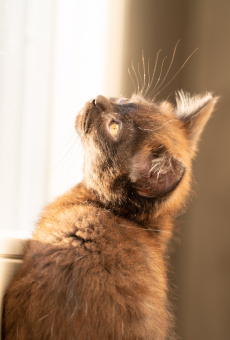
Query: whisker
138	67
168	96
143	64
57	153
155	66
136	77
72	160
125	226
43	317
174	52
64	141
159	78
160	127
53	170
148	75
175	74
132	80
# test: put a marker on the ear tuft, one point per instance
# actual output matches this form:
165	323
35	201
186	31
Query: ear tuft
194	112
188	106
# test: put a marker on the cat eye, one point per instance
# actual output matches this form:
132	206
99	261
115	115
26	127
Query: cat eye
123	101
114	128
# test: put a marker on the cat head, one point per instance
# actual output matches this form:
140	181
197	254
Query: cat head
138	153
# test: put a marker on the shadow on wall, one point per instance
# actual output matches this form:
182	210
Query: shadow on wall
202	258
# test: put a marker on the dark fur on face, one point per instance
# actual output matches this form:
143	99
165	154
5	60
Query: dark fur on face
95	267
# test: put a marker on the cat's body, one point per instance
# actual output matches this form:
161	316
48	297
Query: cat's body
95	267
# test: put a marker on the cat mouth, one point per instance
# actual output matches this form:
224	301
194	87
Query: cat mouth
86	121
84	117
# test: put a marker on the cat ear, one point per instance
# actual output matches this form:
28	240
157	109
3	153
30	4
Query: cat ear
194	112
153	176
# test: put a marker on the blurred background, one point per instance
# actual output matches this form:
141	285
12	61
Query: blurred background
55	55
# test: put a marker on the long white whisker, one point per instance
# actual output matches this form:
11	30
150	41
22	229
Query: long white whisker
174	52
159	78
143	64
155	66
125	226
136	77
169	121
175	74
138	67
132	81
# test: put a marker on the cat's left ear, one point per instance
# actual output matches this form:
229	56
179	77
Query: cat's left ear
194	112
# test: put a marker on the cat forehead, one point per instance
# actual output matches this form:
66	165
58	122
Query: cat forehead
136	103
135	99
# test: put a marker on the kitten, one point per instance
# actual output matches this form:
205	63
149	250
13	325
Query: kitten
96	265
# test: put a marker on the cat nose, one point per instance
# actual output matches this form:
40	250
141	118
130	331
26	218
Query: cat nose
102	102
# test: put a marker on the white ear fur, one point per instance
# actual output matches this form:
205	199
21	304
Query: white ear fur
188	105
194	112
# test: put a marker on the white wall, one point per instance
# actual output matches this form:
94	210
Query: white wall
54	56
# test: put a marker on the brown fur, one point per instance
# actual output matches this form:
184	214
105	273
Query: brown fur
95	267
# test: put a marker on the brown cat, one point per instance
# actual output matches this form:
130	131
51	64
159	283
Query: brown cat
96	265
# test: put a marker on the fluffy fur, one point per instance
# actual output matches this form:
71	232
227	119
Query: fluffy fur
96	265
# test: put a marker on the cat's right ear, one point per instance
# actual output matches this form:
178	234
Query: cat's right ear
194	112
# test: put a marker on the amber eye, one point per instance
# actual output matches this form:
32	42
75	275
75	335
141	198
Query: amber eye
114	128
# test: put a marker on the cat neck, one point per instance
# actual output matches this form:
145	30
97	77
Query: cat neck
142	213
